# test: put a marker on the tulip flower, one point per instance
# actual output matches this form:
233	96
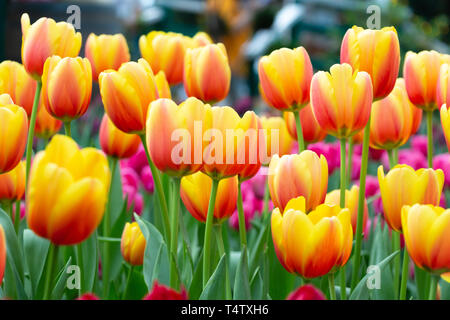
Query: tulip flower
392	119
166	52
306	292
285	77
207	74
195	193
341	100
2	253
45	38
314	244
127	93
291	176
46	125
162	85
161	292
175	133
376	52
66	87
443	86
351	203
312	132
445	121
71	205
13	134
116	143
133	244
278	138
12	184
404	186
15	81
88	296
202	39
106	51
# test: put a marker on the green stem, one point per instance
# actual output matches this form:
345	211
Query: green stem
430	137
396	247
342	205
298	125
392	160
127	284
266	200
29	151
241	215
175	212
7	206
331	286
17	217
67	128
361	199
221	247
208	232
106	231
433	287
51	266
159	192
405	274
349	162
81	266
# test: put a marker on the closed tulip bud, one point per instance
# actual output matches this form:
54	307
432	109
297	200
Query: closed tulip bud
12	184
88	296
2	253
313	244
341	100
294	175
312	132
207	74
376	52
46	38
285	77
133	244
421	73
13	134
15	81
426	229
162	86
66	87
445	122
116	143
127	93
278	139
404	186
202	39
175	135
106	51
443	86
5	99
161	292
76	181
46	125
351	203
392	119
195	192
306	292
166	51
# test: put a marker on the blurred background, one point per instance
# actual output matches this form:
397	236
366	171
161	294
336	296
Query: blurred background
248	28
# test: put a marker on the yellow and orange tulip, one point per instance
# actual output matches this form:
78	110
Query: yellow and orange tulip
132	244
127	93
312	132
294	175
445	122
195	192
313	244
2	253
376	52
76	181
392	119
106	51
15	81
404	186
202	39
13	133
45	38
351	203
207	74
285	77
341	100
277	136
46	125
12	184
162	86
116	143
66	87
443	86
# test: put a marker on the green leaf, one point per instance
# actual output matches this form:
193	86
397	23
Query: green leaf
195	289
215	287
241	282
256	285
156	257
36	250
258	247
90	262
61	281
361	291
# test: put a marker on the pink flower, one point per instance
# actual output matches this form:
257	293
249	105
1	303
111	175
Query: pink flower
147	179
88	296
129	177
420	143
138	161
442	161
161	292
372	187
411	157
134	198
330	151
306	292
356	167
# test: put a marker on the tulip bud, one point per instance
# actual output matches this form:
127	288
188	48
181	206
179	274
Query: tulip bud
306	292
161	292
202	39
133	244
76	181
46	38
162	86
312	132
106	51
443	86
277	136
46	125
116	143
12	184
88	296
445	122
